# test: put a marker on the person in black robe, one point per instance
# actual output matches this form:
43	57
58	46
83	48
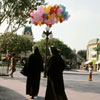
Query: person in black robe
34	69
55	84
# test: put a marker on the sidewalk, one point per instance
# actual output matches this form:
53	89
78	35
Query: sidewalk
80	72
14	89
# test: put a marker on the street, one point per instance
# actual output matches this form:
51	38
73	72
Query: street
80	83
77	86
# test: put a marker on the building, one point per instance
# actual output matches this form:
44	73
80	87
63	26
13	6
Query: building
92	55
28	33
91	52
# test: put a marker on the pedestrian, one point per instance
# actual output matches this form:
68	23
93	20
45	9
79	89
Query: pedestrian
55	84
90	71
34	69
12	65
8	62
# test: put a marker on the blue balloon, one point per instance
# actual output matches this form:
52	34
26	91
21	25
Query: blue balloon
65	15
44	18
46	15
63	7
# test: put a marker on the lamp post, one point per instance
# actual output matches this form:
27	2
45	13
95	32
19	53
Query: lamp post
46	34
97	48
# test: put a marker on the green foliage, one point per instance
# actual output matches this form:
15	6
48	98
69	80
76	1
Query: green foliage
82	54
97	48
16	44
65	50
15	12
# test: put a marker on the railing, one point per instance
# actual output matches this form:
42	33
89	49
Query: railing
3	68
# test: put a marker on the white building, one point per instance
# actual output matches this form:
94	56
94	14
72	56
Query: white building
91	52
92	55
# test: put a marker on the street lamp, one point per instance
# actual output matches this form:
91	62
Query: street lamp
97	48
46	34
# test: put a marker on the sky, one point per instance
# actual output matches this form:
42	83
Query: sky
82	26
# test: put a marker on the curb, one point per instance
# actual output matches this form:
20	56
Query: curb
4	75
79	73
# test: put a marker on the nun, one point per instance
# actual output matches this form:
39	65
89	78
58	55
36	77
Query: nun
55	85
34	69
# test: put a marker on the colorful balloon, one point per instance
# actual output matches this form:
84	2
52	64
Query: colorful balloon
49	15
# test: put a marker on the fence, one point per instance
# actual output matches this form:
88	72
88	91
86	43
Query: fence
4	68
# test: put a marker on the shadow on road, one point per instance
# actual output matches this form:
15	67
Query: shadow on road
40	98
8	94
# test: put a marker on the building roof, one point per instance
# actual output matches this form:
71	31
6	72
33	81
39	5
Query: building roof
27	29
87	62
94	41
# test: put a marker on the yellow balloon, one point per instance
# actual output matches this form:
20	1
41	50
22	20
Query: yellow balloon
50	16
58	19
48	10
49	7
40	24
44	8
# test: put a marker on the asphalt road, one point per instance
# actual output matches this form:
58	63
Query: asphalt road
76	82
78	86
80	83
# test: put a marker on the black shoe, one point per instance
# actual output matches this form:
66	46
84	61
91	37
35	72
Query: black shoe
32	97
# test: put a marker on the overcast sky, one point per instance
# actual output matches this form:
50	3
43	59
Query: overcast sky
82	26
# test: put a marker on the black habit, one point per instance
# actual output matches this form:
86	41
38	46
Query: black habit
55	84
34	68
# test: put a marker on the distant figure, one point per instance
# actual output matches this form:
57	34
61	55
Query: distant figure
98	67
90	72
34	69
55	84
8	61
12	65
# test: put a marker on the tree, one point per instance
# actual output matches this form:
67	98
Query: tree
16	44
65	50
82	54
15	12
97	49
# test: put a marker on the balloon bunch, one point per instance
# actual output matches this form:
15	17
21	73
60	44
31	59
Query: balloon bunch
49	15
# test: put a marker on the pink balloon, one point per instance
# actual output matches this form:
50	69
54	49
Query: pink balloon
67	17
59	11
39	16
40	10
